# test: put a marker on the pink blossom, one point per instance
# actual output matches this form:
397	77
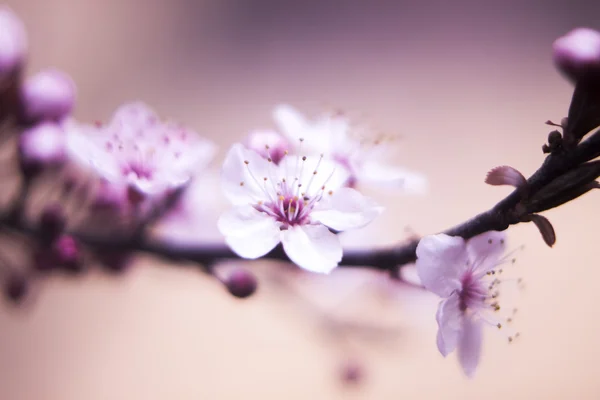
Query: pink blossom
464	274
295	203
351	147
140	153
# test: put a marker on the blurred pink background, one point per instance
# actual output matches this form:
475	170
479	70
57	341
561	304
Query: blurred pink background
468	86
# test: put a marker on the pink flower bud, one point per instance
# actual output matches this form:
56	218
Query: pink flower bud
13	42
16	288
114	261
352	373
578	53
241	283
52	221
42	146
268	144
48	95
67	253
109	197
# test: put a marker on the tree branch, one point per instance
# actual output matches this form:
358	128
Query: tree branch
509	211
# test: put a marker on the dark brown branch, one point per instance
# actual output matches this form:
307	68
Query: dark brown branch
562	177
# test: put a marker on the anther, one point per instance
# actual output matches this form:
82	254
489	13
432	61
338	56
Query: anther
241	183
303	158
490	241
499	325
246	162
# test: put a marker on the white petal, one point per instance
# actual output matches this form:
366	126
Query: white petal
441	261
485	250
449	318
312	247
329	174
249	233
469	345
133	116
291	122
346	209
392	177
244	183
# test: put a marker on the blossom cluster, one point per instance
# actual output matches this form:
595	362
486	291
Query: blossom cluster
295	188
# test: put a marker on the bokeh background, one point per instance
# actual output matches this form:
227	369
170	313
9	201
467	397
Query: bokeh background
467	85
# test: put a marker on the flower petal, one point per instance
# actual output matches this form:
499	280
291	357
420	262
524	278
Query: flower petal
346	209
244	183
449	318
312	247
469	345
329	175
485	250
291	122
392	177
249	233
441	261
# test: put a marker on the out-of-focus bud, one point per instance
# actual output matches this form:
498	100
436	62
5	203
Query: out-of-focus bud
41	146
52	221
13	42
114	261
241	283
68	253
48	95
577	54
15	288
268	144
109	197
352	373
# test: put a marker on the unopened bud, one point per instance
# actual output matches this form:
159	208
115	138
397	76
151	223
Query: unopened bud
241	283
114	261
48	95
109	197
13	42
577	54
15	288
68	254
41	146
352	373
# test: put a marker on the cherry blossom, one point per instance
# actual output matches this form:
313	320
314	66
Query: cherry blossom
465	275
350	147
295	203
139	153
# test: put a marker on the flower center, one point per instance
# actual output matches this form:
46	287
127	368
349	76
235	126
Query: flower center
289	210
473	294
139	170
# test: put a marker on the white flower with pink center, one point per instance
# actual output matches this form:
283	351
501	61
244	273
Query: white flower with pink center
350	147
466	275
139	152
297	202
